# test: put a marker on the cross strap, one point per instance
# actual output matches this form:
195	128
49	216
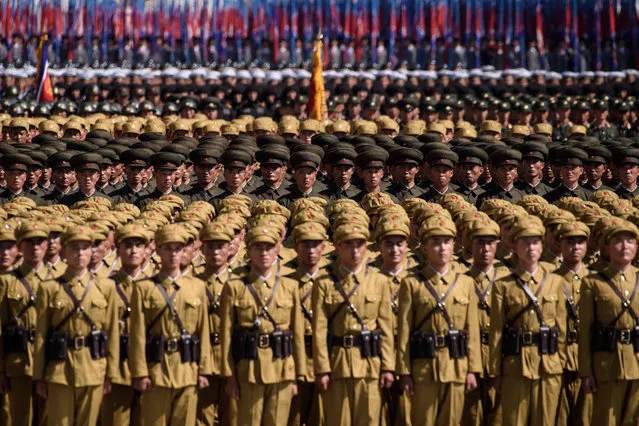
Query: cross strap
532	300
305	311
32	296
625	303
125	300
346	303
169	304
76	303
481	295
263	307
214	302
572	306
159	315
441	302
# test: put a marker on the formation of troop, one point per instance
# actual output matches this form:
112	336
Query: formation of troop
440	266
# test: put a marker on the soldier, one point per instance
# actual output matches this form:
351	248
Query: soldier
236	164
533	155
165	166
207	169
341	167
262	334
627	164
77	342
18	318
353	352
121	405
575	405
273	160
438	337
15	168
404	165
370	169
441	165
608	364
570	161
35	170
468	171
600	127
552	219
87	168
595	167
135	163
63	177
309	240
527	333
503	169
213	401
481	406
8	247
169	348
305	166
562	120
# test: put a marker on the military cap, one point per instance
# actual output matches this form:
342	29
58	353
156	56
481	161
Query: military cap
341	157
171	234
577	129
519	130
372	158
572	156
350	232
216	231
598	154
618	226
262	233
236	158
490	126
391	226
572	229
437	226
132	230
309	230
310	125
406	156
137	157
526	226
601	104
77	233
366	128
19	123
505	157
166	160
202	156
31	229
49	126
582	106
16	161
289	127
7	229
535	150
339	126
272	155
482	227
442	157
626	156
86	161
437	127
543	129
230	130
305	159
472	155
414	128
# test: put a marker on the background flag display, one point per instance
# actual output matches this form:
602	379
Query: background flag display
316	101
45	89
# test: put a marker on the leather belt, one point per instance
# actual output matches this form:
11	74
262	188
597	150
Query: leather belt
78	342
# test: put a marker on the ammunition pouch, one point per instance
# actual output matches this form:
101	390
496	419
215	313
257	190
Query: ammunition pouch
17	338
187	345
369	342
572	336
56	347
246	343
606	337
515	338
425	344
155	349
124	347
308	345
97	344
215	339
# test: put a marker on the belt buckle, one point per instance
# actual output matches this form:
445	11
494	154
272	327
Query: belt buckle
32	334
440	341
264	341
172	345
527	338
625	336
349	341
78	342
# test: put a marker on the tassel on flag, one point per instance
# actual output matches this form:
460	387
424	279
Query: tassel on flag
316	102
45	89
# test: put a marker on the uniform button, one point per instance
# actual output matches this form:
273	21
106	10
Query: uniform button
626	292
576	277
355	294
488	293
532	311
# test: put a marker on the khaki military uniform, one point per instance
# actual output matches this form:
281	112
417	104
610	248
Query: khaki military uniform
306	407
353	397
172	400
531	383
439	383
550	257
21	403
120	407
575	406
213	402
481	406
266	383
57	268
75	385
616	401
108	265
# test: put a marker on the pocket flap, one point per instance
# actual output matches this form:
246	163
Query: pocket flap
14	296
549	298
99	303
243	303
372	297
285	304
193	303
462	300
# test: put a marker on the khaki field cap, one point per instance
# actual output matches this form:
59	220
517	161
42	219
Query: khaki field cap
490	126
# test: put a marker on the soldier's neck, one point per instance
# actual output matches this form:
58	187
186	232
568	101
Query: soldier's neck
216	269
393	267
482	267
35	266
573	266
310	269
132	271
530	267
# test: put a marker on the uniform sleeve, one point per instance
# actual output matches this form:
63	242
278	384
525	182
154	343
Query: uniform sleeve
404	322
472	326
42	328
227	319
385	323
204	331
137	358
113	331
497	321
562	323
297	326
4	319
587	319
321	360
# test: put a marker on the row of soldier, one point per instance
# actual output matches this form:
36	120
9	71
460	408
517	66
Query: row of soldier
320	313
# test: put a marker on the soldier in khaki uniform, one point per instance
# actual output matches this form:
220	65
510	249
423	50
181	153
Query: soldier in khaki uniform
213	401
608	364
74	380
309	239
528	332
169	352
18	318
481	406
262	334
8	247
359	357
575	406
392	232
438	338
121	406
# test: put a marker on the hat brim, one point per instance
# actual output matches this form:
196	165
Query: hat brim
35	233
350	237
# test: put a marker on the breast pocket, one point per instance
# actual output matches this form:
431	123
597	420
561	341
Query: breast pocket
98	312
16	302
371	305
191	313
459	310
283	312
59	309
245	311
549	306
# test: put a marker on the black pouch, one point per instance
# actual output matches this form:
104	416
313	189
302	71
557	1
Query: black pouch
97	344
376	344
604	338
124	347
277	344
553	343
544	340
288	343
238	345
454	344
308	345
195	349
56	346
251	345
16	339
155	349
329	342
511	342
186	342
635	339
365	348
416	349
463	344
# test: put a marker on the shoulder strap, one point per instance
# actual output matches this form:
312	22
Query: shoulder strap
263	307
305	311
571	304
32	296
441	305
346	303
125	300
532	300
481	295
76	303
169	304
625	303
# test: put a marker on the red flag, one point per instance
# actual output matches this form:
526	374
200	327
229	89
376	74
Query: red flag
45	89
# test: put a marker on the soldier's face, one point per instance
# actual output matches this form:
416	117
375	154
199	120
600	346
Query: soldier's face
87	179
532	168
351	253
33	250
505	175
63	178
273	173
33	176
439	251
394	249
372	176
16	179
305	177
54	244
8	254
216	253
171	255
342	174
627	174
570	174
78	254
404	173
132	252
234	176
573	249
134	175
622	249
309	252
594	171
262	256
529	249
483	250
468	174
440	175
